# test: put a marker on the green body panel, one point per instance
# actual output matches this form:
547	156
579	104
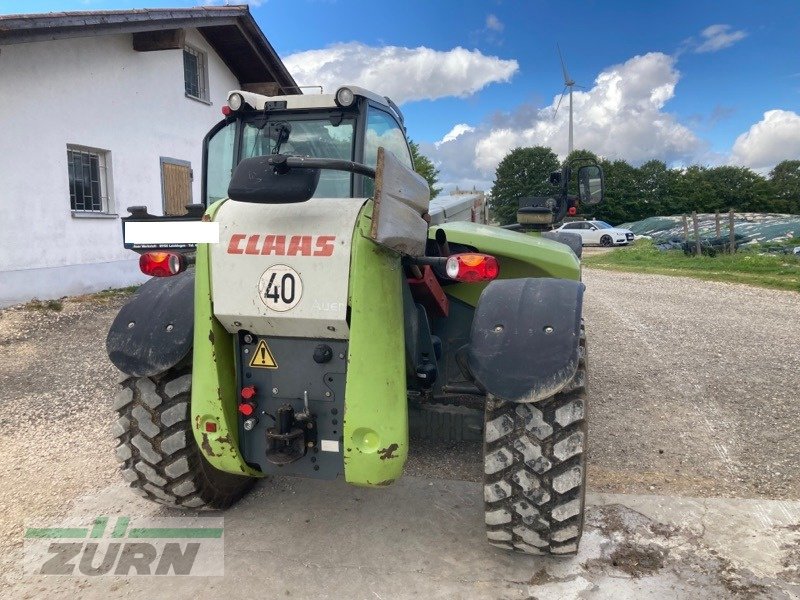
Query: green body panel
376	407
214	375
519	255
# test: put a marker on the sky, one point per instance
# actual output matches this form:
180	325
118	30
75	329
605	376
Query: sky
686	82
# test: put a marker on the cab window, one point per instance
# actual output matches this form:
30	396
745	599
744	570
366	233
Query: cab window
383	130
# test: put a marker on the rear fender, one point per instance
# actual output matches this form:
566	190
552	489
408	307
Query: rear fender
525	337
520	255
153	331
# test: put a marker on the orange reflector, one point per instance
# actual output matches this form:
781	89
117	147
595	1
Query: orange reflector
161	264
471	267
211	427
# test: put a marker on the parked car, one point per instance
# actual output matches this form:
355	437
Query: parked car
598	232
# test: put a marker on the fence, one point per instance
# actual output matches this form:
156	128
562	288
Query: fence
698	247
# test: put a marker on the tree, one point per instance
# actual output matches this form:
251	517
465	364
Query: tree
623	201
426	168
522	172
785	183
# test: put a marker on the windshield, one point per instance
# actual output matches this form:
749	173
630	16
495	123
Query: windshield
328	136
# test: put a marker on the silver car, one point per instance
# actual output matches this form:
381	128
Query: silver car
598	233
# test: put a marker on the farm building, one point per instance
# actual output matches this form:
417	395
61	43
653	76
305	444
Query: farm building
104	110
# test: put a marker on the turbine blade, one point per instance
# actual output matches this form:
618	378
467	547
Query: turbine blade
559	102
563	66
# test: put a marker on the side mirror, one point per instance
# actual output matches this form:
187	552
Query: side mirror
590	184
269	180
593	228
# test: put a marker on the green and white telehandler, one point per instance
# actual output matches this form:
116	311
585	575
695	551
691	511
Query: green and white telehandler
318	301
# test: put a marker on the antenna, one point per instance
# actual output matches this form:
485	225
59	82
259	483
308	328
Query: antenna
569	84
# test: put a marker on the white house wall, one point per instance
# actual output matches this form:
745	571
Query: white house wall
94	92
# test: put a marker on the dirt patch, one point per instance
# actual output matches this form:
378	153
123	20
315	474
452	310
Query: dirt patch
791	562
637	560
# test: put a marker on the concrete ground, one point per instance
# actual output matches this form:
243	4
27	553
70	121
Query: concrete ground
693	395
424	539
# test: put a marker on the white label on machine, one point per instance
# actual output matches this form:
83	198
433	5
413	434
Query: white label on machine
280	288
329	445
172	232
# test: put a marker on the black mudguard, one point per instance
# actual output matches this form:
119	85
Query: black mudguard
525	337
573	240
154	330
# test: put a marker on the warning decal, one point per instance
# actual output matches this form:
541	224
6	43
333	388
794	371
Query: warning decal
262	357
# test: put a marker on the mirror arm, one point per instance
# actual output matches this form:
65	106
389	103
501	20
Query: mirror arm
333	164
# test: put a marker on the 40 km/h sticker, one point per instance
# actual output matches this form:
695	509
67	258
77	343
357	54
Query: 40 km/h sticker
280	288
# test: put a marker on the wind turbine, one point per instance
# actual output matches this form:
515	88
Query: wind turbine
569	83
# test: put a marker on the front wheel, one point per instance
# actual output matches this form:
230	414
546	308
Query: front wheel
160	459
535	469
606	241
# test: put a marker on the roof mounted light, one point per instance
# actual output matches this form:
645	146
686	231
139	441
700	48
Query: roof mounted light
235	101
345	97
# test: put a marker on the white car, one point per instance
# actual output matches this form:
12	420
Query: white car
598	232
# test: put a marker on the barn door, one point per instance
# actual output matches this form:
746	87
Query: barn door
176	185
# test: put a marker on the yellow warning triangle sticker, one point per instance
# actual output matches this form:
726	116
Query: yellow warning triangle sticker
262	357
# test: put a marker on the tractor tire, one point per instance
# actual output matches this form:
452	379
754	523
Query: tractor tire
160	458
535	469
606	241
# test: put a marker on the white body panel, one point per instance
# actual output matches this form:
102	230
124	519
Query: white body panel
309	240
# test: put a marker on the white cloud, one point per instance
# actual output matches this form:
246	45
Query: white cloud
457	130
403	74
717	37
493	23
774	138
621	116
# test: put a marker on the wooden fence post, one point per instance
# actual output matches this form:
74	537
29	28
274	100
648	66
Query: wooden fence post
696	233
731	232
719	224
685	228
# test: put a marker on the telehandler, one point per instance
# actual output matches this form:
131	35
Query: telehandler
291	340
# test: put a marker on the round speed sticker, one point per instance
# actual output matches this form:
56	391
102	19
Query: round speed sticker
280	288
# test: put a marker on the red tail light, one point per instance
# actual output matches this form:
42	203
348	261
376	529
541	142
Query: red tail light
162	264
472	267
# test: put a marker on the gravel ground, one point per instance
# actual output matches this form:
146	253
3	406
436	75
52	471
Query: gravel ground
693	386
55	387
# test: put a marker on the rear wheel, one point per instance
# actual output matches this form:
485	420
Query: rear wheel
606	241
160	459
535	470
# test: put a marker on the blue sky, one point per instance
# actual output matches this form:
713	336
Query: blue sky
686	99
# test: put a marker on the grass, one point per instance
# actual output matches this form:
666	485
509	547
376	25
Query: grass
45	305
748	266
106	295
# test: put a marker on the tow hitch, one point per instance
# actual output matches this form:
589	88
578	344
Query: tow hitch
293	435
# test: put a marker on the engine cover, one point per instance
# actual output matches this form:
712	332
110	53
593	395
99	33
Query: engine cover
284	269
